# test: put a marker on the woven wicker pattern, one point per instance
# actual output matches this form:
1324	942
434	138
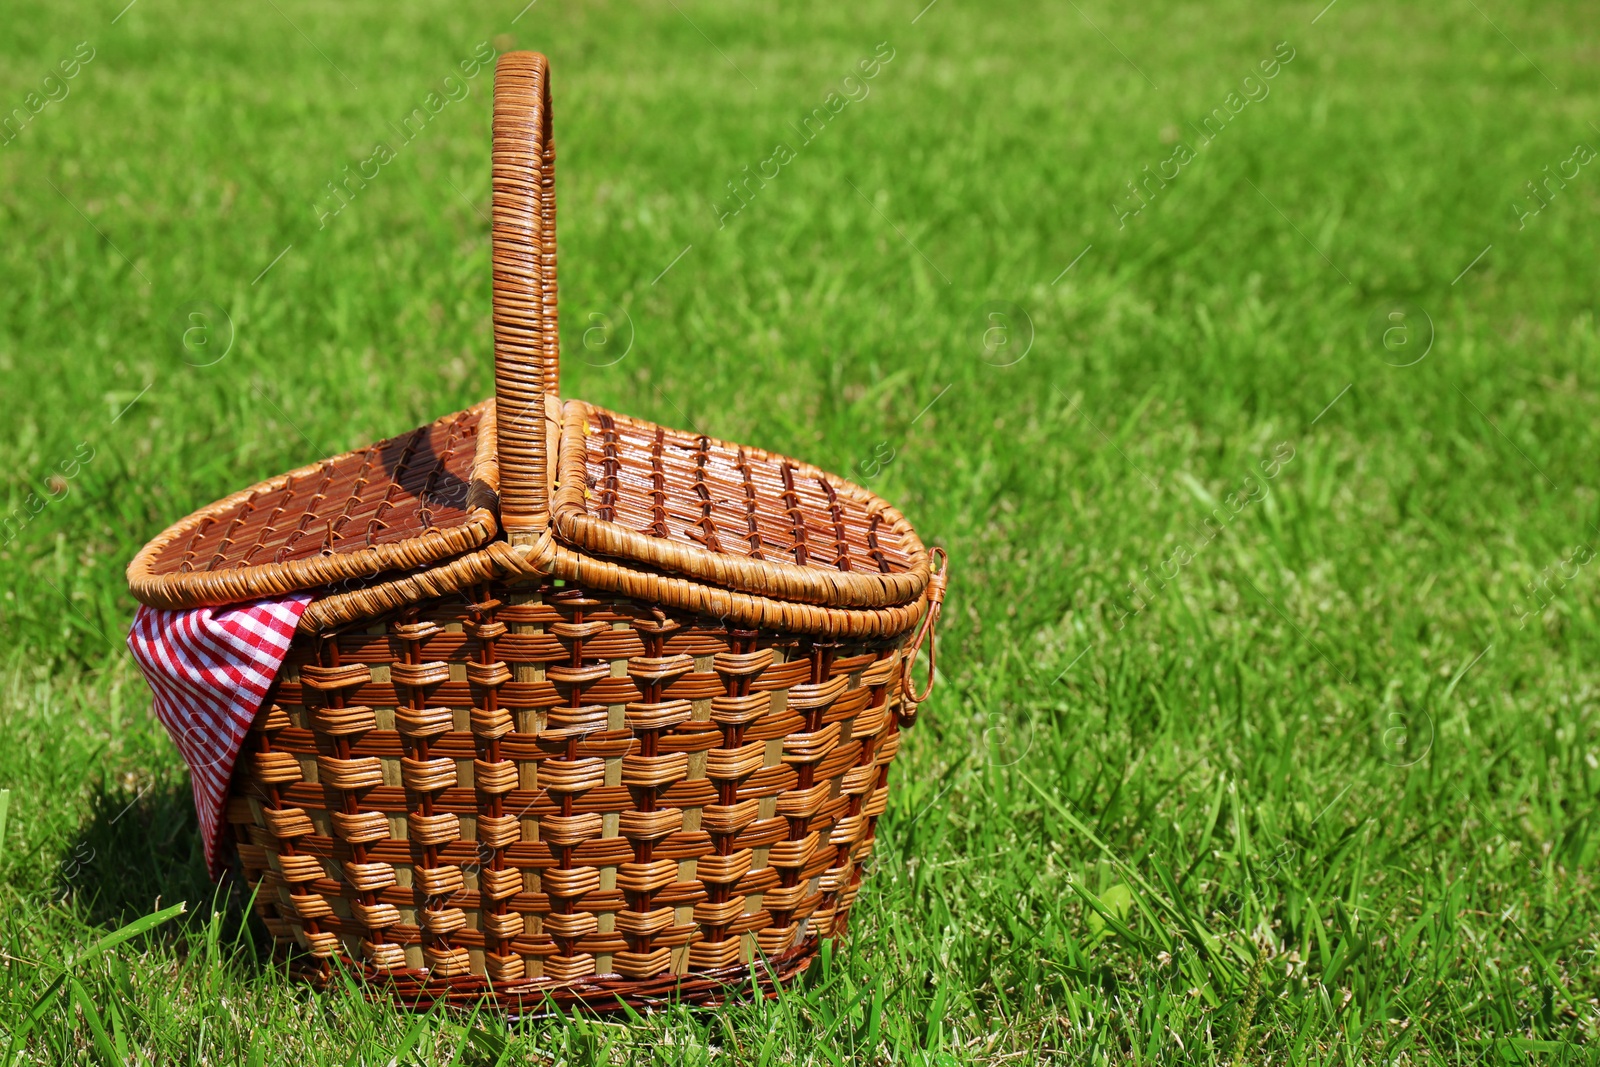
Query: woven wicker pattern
540	786
736	516
402	502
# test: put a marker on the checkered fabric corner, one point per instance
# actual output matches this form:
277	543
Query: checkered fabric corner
210	669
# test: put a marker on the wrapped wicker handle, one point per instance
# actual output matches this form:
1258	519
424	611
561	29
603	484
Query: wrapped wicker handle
526	344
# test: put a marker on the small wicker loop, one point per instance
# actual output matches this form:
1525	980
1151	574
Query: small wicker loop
928	631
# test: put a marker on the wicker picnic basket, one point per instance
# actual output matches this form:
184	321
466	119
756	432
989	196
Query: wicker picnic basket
586	710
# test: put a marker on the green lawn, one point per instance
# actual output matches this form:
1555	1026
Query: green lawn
1268	724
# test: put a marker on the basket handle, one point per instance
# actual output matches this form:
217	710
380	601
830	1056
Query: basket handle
526	344
927	631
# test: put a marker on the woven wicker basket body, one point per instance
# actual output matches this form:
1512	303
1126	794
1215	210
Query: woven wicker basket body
587	710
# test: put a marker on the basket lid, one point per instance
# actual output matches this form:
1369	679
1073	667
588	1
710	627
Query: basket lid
404	502
730	515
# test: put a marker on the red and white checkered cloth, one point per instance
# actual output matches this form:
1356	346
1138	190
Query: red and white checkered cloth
210	669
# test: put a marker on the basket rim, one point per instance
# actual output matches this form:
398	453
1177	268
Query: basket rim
500	560
575	525
201	588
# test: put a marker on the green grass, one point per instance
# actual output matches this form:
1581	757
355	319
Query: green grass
1328	793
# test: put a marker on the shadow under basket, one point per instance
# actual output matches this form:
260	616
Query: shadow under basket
586	711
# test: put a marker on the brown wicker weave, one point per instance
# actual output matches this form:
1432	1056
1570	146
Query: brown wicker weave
587	710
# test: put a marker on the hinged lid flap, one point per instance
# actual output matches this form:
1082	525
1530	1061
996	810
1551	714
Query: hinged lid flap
729	515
